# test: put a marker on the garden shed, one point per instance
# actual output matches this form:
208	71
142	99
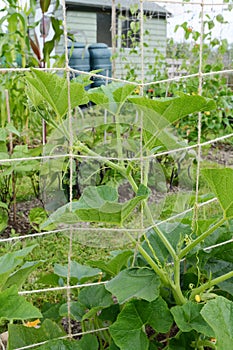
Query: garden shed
91	21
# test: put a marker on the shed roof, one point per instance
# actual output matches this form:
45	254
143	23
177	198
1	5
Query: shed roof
106	4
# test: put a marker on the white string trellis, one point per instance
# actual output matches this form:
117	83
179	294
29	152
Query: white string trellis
142	84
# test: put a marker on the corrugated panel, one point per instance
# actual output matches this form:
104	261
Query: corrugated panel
83	25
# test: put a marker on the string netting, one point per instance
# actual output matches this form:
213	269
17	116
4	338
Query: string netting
159	68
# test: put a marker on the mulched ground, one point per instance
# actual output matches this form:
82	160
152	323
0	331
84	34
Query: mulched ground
21	225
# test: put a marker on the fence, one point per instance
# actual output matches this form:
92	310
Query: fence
147	43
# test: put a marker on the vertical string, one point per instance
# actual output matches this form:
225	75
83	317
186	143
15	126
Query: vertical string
141	93
199	125
68	292
142	40
113	32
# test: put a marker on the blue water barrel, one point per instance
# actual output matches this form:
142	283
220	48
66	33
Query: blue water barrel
79	57
100	58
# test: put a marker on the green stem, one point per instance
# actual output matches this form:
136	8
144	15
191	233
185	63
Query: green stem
85	149
178	295
160	233
210	284
132	182
163	276
200	238
119	143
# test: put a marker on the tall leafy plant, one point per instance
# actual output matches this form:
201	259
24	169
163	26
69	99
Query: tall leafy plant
154	289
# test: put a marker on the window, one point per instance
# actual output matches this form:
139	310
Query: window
104	28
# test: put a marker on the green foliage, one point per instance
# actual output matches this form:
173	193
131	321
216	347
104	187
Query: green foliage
134	317
171	291
151	288
53	90
221	325
20	336
14	273
131	283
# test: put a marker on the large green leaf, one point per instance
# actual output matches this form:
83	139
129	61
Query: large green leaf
76	310
170	110
114	266
158	114
53	89
112	96
128	331
218	313
122	93
19	277
97	204
184	341
20	336
9	261
95	298
188	318
81	272
15	307
220	181
140	283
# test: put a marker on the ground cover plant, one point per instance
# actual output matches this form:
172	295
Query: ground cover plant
166	289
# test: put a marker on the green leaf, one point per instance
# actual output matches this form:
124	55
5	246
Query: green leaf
171	110
76	310
128	331
54	90
20	336
188	318
3	220
218	314
44	5
220	181
122	93
87	341
3	134
19	277
97	97
110	313
135	283
97	204
81	272
95	296
10	128
59	345
3	205
50	279
114	266
15	307
9	261
220	18
182	342
158	114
